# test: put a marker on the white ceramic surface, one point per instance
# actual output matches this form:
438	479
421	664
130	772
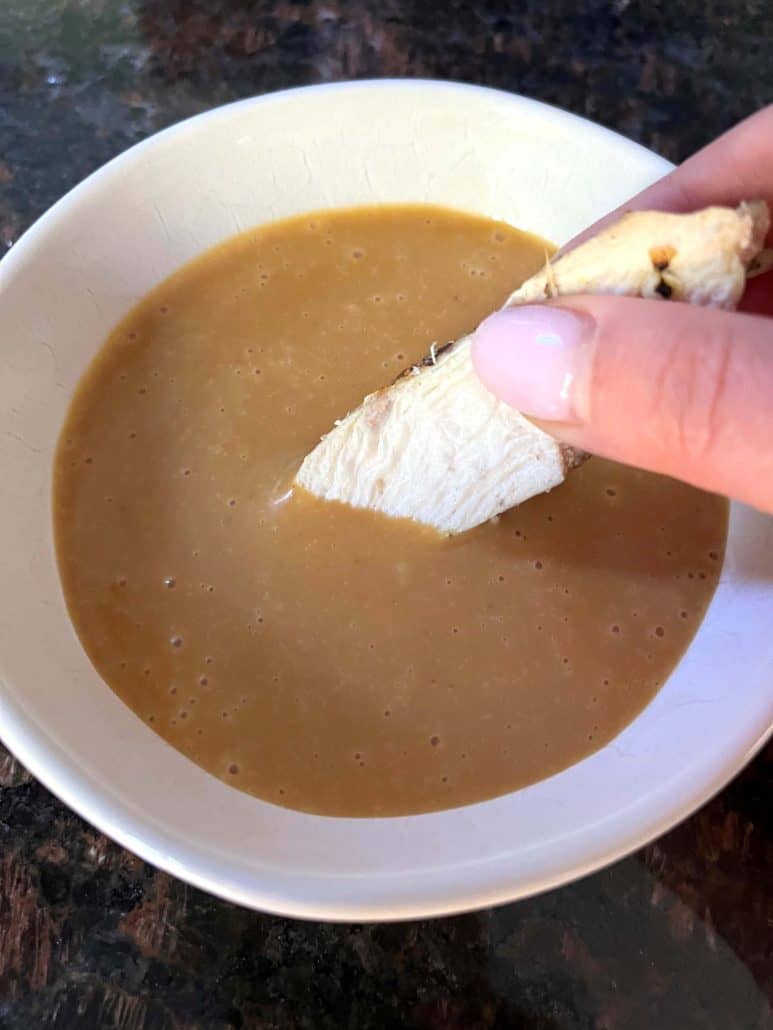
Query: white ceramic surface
62	288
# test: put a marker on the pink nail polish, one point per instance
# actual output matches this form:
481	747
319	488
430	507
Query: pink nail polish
532	357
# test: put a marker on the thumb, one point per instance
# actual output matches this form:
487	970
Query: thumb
682	390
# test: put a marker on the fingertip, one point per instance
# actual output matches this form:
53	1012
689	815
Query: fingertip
530	356
489	347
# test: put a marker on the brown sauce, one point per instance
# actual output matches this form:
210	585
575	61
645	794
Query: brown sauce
328	659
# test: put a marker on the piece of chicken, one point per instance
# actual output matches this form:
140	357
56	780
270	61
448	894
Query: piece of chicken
437	447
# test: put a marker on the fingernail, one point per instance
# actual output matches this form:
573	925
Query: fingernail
535	358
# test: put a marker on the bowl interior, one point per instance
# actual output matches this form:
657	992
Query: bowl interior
64	286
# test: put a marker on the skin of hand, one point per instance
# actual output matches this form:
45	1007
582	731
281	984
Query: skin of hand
668	387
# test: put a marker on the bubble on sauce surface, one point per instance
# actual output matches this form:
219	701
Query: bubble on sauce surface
176	641
203	681
434	740
170	582
233	769
660	631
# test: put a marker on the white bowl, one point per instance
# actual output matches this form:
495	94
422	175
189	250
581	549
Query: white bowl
63	287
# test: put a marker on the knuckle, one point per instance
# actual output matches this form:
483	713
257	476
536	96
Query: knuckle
690	391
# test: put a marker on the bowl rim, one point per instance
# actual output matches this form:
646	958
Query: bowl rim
74	787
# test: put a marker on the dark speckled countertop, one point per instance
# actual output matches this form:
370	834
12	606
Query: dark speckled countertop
679	936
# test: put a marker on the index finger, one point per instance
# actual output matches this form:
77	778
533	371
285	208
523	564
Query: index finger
735	167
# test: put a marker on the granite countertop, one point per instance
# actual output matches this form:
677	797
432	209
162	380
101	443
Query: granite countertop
678	936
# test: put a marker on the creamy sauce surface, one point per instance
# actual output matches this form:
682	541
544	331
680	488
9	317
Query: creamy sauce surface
328	659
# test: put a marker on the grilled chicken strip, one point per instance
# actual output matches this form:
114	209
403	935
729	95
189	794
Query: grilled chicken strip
437	447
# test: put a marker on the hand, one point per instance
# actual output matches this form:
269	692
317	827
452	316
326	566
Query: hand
676	389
